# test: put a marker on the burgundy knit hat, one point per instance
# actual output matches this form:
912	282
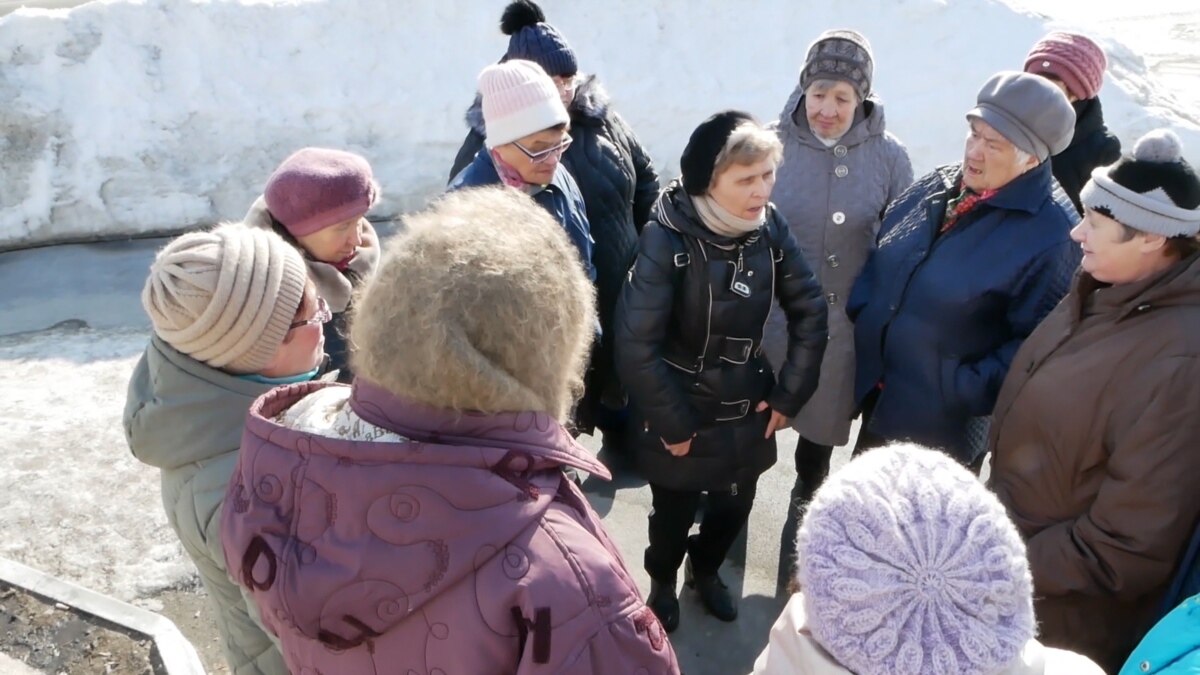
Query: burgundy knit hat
318	187
1072	58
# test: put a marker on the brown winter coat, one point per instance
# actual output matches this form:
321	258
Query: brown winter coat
833	199
1095	457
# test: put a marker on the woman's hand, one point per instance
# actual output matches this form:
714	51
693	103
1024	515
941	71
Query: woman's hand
679	449
777	422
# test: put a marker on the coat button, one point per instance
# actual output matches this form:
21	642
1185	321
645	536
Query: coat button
1145	666
838	217
841	171
832	260
831	298
839	151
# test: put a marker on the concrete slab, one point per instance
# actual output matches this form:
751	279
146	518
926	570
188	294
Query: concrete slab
177	654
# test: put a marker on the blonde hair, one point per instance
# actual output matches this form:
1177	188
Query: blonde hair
481	304
748	143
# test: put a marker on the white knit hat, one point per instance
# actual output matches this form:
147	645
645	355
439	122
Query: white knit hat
1153	189
519	99
225	297
910	566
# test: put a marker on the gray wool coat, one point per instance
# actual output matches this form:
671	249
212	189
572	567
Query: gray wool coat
833	199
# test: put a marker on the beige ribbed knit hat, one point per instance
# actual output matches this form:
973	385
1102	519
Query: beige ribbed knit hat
481	304
227	296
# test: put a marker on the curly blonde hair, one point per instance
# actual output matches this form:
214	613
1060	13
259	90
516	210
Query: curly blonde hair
480	304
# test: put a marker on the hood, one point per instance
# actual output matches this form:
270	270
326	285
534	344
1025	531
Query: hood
336	286
590	106
392	525
1178	285
179	411
872	124
674	210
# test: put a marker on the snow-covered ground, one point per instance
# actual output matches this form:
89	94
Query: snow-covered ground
127	116
76	503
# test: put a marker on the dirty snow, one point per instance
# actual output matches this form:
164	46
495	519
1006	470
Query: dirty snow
125	116
76	503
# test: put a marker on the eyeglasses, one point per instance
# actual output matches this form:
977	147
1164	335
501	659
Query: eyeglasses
543	156
321	316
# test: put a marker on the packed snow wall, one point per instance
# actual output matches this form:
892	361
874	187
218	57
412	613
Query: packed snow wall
122	117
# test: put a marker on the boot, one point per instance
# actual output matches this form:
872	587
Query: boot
714	594
664	603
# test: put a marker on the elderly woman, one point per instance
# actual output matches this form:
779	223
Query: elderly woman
616	179
711	264
1076	64
528	131
841	169
1095	429
317	200
420	520
234	315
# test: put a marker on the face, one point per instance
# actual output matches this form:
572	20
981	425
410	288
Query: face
830	110
745	189
538	169
1061	85
566	88
335	243
1110	258
990	161
303	346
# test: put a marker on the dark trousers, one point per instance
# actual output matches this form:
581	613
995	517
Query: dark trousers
671	518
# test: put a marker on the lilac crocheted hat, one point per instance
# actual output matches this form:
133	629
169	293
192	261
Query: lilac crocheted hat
909	565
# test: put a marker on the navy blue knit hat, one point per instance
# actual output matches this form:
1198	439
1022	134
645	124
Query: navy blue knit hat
532	39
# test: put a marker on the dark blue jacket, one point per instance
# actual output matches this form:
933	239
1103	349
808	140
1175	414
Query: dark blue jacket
938	320
561	198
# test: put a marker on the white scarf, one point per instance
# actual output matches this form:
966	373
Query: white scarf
722	222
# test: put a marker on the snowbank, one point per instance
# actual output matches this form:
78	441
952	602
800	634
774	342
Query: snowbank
122	116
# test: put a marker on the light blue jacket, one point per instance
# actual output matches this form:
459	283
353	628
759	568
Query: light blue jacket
1172	647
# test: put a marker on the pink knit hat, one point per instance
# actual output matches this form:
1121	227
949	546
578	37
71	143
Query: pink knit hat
519	99
1072	58
317	187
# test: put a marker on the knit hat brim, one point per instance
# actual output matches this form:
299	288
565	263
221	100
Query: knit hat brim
1141	212
525	121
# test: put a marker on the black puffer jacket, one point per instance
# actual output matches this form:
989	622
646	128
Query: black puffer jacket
1093	145
618	184
689	348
